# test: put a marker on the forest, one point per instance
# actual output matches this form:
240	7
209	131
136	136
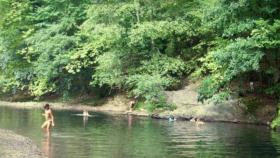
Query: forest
140	48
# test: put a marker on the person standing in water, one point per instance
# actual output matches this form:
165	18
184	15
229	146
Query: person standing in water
85	117
85	113
49	118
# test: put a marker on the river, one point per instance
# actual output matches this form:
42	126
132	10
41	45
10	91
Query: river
126	136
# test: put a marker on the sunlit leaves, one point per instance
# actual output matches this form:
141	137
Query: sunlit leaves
145	33
163	65
109	70
140	46
150	87
100	39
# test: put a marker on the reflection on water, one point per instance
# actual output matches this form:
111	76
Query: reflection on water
85	121
127	136
129	121
46	145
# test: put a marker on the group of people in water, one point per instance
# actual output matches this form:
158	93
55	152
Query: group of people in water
50	122
197	121
49	117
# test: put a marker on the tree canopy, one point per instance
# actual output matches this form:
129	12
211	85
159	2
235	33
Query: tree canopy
142	47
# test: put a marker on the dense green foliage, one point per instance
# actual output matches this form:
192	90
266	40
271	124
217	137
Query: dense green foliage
245	47
60	47
142	47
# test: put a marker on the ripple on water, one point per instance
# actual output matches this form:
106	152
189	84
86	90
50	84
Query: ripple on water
106	136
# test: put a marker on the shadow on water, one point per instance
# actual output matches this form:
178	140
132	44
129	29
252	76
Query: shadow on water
127	136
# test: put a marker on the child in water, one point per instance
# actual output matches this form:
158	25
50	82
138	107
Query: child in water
171	118
49	118
85	113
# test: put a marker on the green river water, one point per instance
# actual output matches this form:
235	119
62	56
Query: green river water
126	136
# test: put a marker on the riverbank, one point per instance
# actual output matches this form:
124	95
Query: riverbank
187	107
115	105
13	145
207	113
118	105
248	110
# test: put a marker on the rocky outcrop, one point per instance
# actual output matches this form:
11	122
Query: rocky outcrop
230	111
16	146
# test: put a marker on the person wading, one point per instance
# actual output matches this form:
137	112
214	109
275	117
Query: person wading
49	118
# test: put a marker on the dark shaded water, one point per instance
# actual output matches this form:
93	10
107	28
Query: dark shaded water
113	136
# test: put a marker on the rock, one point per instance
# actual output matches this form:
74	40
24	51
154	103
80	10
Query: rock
229	111
16	146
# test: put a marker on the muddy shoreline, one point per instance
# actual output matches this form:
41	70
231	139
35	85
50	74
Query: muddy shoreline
13	145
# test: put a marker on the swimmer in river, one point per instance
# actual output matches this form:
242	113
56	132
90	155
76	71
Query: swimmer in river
85	117
171	118
192	120
49	118
85	113
199	122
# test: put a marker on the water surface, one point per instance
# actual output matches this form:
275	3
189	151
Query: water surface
125	136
